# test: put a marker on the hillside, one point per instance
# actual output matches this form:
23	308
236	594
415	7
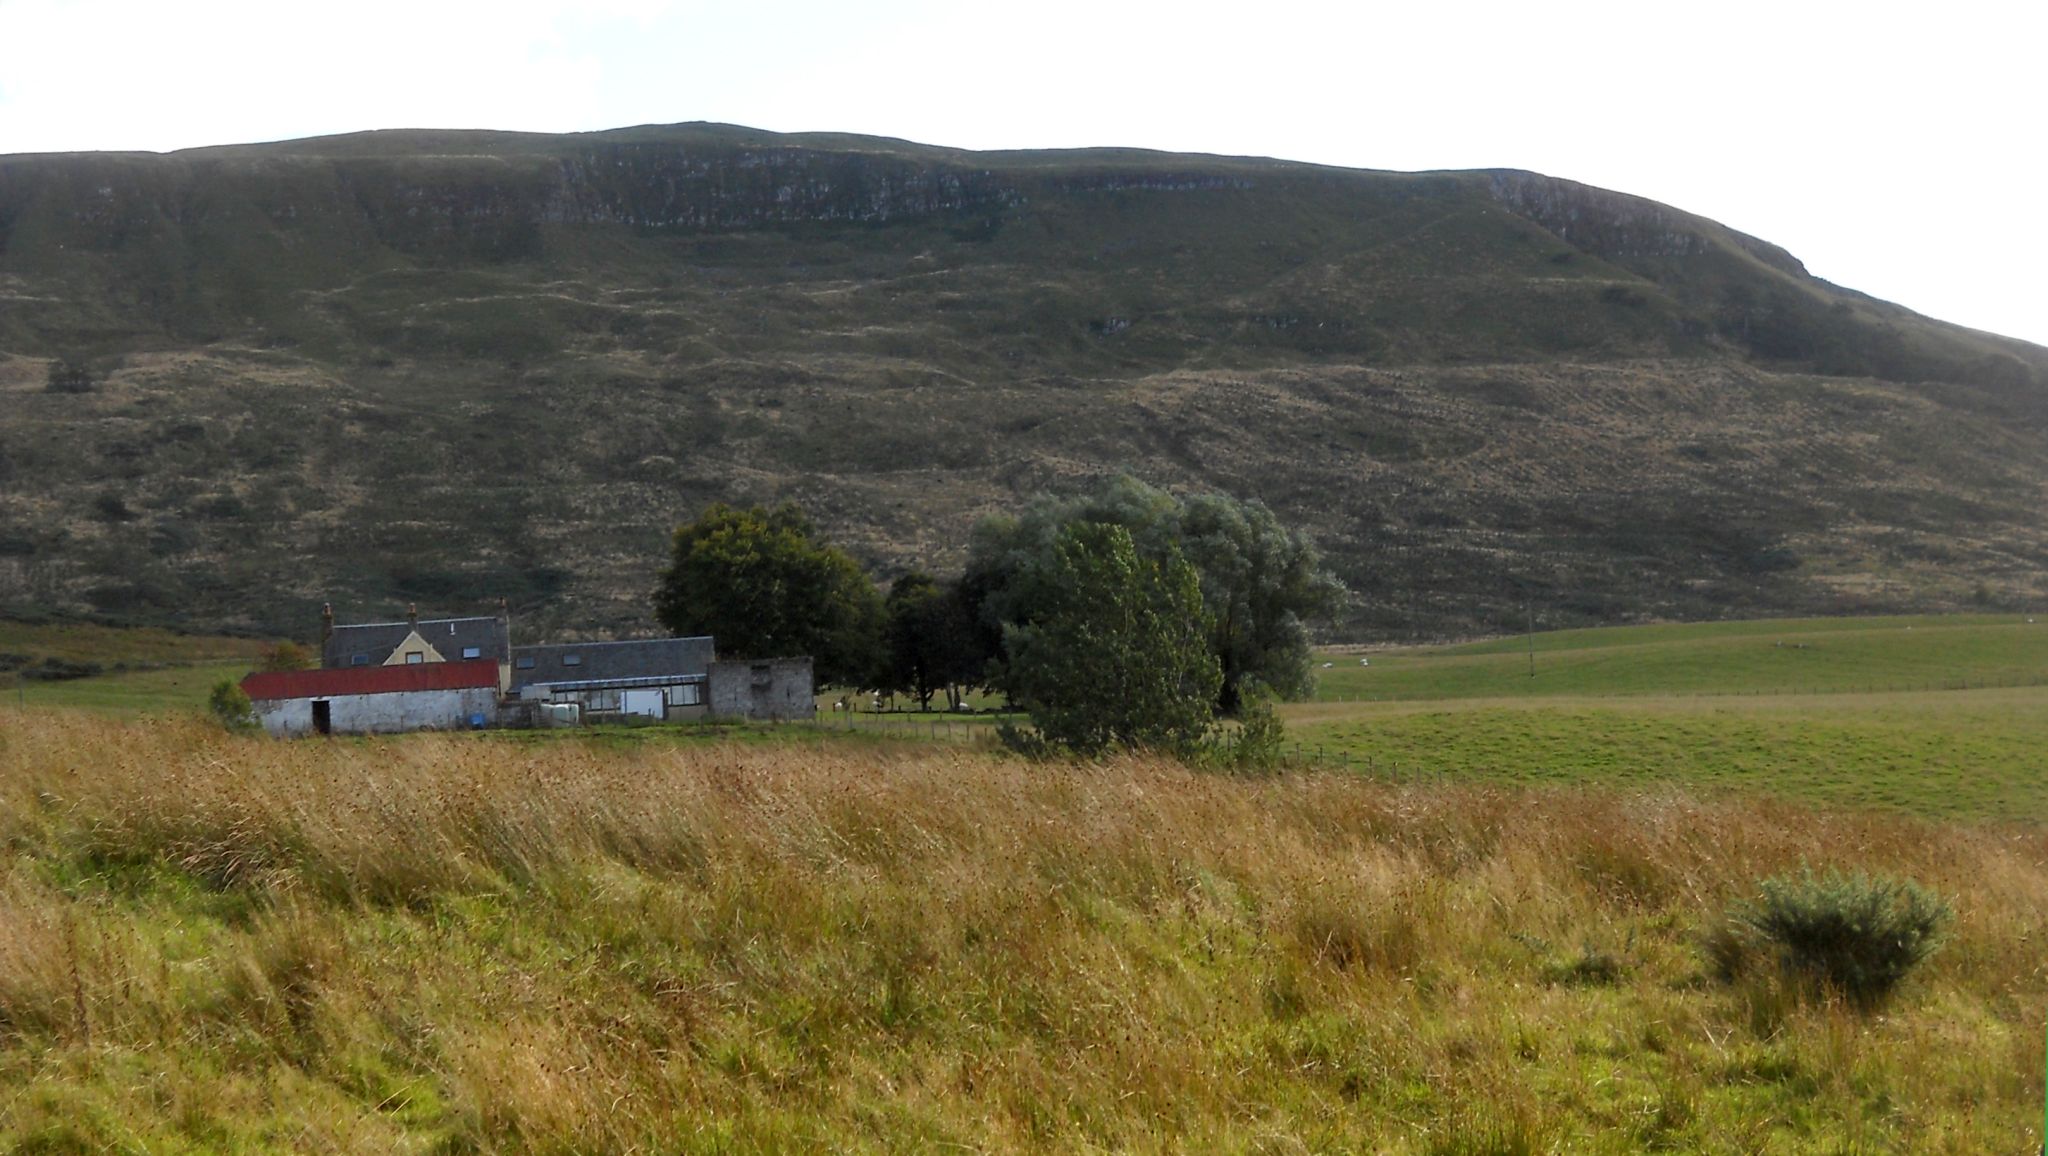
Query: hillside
448	366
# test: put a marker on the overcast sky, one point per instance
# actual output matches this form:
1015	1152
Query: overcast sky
1896	149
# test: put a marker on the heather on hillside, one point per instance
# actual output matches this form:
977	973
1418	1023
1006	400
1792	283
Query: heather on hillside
447	368
470	943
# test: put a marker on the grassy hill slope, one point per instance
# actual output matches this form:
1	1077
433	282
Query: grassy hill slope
444	367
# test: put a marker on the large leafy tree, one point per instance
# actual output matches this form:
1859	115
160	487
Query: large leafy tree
1118	654
1261	583
929	642
756	581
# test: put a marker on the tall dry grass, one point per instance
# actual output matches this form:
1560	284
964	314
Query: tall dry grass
454	943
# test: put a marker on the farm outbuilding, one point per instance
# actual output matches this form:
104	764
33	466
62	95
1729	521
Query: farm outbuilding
376	699
763	688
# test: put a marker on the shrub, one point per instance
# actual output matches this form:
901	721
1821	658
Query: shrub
1260	737
287	656
1857	935
53	669
231	706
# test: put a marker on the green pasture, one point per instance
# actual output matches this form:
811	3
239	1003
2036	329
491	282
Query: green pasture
1813	655
1973	754
146	670
1802	708
1933	715
127	693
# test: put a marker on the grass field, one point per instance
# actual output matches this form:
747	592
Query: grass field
1782	707
146	670
1809	655
112	646
439	944
1974	753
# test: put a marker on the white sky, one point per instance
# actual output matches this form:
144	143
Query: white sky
1895	148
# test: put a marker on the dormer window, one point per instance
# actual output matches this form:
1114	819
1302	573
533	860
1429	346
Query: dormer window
414	657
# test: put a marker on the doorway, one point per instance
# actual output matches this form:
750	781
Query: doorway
323	717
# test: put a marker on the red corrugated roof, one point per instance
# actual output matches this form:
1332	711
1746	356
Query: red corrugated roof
371	679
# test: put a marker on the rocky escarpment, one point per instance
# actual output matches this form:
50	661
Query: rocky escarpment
1618	225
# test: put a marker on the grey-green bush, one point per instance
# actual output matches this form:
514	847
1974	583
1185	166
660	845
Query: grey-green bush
1858	935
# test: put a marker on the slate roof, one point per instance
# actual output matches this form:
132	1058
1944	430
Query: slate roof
274	684
492	637
601	663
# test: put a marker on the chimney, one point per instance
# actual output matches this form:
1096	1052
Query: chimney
326	624
412	615
505	643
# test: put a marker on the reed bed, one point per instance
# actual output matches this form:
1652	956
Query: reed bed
456	944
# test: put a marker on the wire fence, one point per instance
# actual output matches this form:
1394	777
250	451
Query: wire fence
969	731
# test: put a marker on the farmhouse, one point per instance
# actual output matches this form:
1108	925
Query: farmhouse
447	673
413	642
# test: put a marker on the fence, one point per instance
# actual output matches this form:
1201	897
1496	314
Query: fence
908	726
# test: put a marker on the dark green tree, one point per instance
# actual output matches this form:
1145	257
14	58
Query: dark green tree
1117	654
929	641
1261	582
756	582
68	376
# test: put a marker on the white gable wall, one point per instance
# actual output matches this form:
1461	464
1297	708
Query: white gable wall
394	711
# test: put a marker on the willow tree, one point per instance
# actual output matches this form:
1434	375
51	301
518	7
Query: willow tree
1117	655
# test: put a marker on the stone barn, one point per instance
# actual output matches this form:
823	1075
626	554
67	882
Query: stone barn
763	688
376	699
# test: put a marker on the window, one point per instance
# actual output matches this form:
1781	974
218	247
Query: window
472	652
359	660
688	694
525	663
414	657
572	660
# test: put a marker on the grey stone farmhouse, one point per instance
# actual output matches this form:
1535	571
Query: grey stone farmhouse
448	673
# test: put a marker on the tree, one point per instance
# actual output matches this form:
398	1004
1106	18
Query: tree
286	656
1117	654
1261	582
755	581
929	640
68	376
